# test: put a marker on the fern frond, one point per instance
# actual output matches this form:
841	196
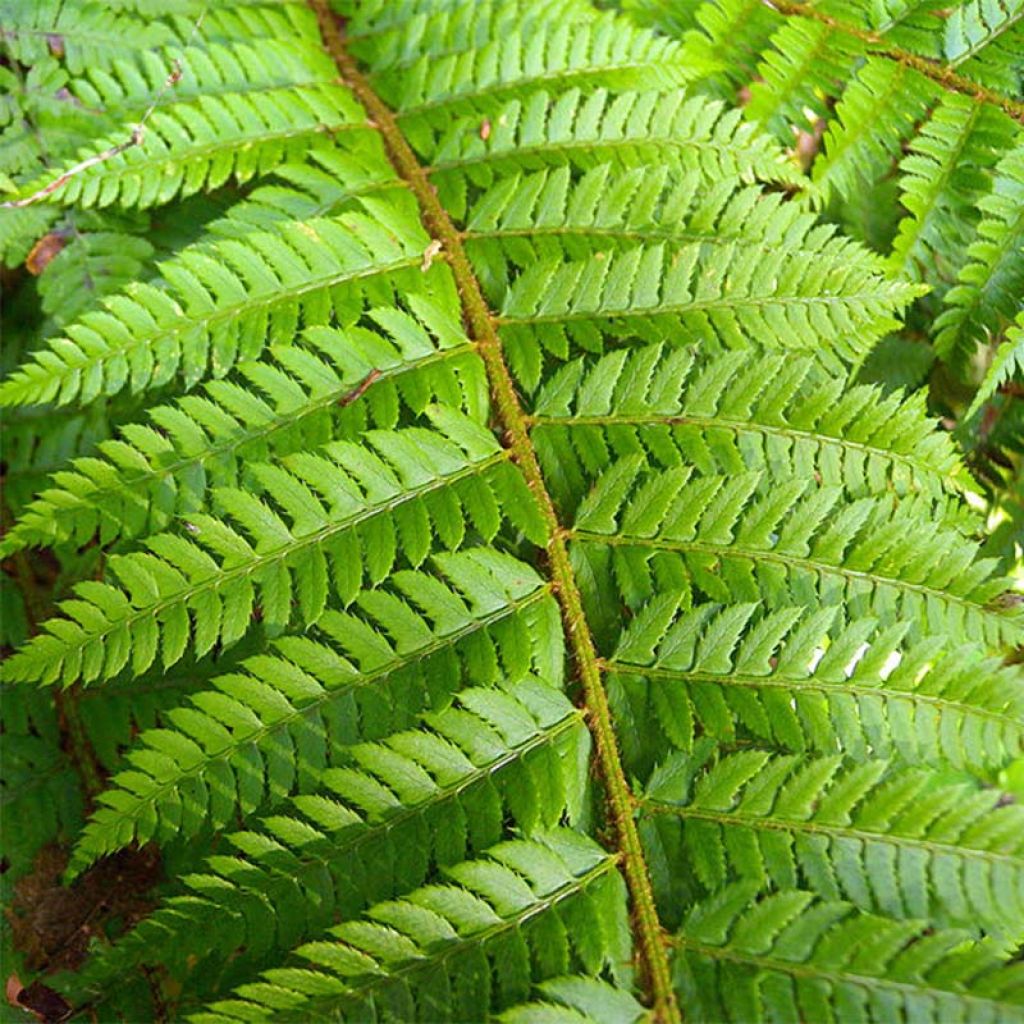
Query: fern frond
632	129
747	244
106	261
40	440
336	513
209	68
606	205
877	112
226	301
576	1000
505	356
596	49
255	735
726	37
733	296
330	183
943	178
114	714
977	24
727	414
299	397
200	145
795	957
991	282
83	35
893	841
1007	364
386	32
428	796
526	911
805	63
807	680
753	535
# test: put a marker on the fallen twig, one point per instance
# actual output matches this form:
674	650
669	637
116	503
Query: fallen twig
135	139
83	165
360	389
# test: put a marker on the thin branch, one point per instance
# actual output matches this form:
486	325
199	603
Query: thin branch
136	138
83	165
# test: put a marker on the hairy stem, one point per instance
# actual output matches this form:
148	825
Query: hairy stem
483	328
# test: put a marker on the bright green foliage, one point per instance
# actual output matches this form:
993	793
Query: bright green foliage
424	796
259	733
525	908
887	839
84	35
811	958
476	540
1007	363
342	507
793	678
991	283
287	404
877	81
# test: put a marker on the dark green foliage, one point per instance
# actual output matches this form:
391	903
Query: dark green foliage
385	617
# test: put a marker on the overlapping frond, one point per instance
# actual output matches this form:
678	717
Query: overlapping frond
727	414
795	957
374	829
1007	364
758	534
806	680
555	355
39	790
315	524
876	112
853	86
984	38
943	178
990	285
474	944
210	106
798	72
257	734
225	301
81	34
332	384
897	842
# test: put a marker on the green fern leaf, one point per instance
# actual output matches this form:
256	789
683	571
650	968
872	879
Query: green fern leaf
559	894
303	395
336	513
481	575
431	795
256	734
991	283
1007	364
798	680
897	842
793	956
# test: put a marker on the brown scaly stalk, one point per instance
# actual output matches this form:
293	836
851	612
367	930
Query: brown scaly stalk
513	420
